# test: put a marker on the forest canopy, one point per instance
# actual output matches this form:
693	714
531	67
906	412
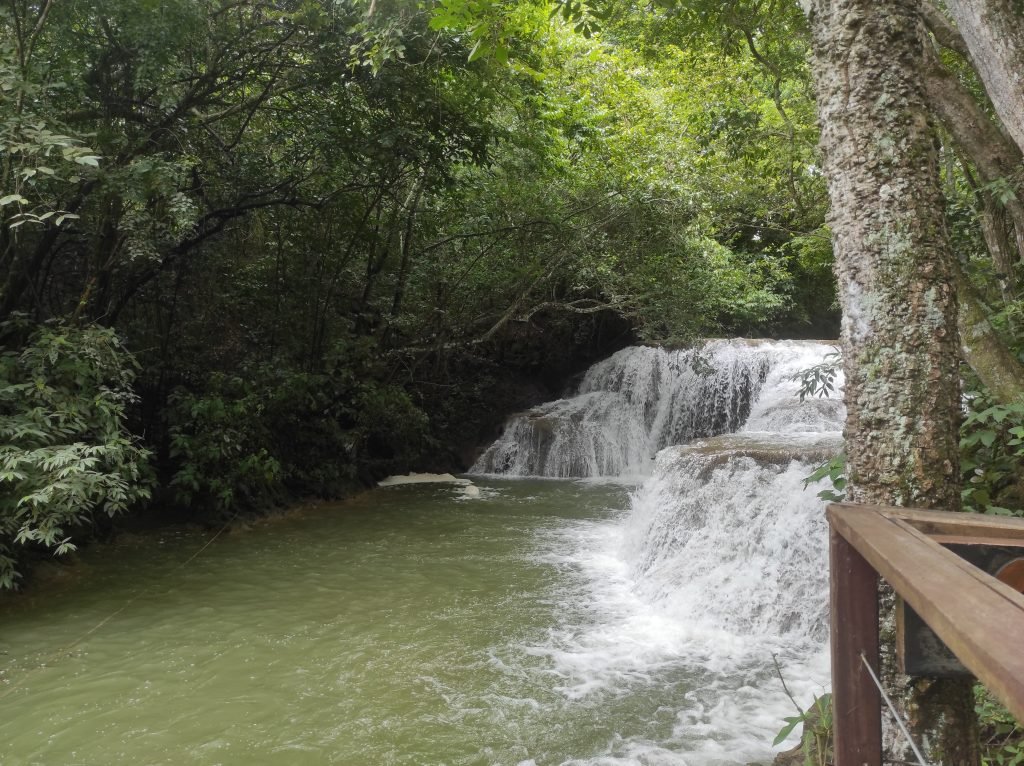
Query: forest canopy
253	250
256	250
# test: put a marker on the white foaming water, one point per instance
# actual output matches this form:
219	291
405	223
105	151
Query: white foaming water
779	409
698	597
733	539
643	399
629	406
720	562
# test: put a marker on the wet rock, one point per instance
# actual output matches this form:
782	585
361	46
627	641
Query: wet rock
764	448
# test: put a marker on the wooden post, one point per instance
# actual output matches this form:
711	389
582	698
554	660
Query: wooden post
856	702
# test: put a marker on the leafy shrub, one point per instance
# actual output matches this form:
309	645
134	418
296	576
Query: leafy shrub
1002	739
834	469
65	451
242	443
390	427
816	738
313	432
992	457
221	446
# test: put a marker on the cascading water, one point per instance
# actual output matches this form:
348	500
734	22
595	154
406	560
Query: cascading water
724	527
720	565
631	405
642	399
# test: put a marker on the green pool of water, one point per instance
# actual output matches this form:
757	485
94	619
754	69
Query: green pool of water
407	626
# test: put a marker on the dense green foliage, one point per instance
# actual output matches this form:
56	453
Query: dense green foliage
66	455
992	457
341	239
1002	739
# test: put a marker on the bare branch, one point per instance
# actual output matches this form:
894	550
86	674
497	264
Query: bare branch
580	306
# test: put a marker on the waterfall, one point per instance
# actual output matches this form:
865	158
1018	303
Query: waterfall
628	407
720	563
724	527
725	532
641	400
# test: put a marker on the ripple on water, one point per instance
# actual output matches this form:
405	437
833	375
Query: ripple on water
407	627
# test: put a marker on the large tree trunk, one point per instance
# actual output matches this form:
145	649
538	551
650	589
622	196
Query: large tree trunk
893	261
994	33
894	268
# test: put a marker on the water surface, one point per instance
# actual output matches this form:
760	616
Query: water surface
410	625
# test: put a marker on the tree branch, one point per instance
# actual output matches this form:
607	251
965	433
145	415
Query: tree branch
999	370
946	35
994	156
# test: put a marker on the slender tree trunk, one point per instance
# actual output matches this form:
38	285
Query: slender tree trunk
994	33
895	273
996	367
999	235
994	156
406	246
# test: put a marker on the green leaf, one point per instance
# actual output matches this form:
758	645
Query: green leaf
995	510
791	723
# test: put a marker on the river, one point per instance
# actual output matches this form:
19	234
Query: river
536	622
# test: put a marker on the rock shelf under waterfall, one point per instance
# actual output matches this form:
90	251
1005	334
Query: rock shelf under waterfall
762	447
642	400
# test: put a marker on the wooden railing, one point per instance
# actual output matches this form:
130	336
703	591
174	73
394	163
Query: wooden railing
978	617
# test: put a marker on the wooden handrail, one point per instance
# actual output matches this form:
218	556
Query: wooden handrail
979	618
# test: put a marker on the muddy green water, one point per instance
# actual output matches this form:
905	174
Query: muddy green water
407	626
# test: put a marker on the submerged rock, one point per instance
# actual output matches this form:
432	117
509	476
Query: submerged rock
422	478
763	447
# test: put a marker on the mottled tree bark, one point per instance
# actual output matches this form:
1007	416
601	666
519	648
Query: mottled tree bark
994	33
894	267
893	261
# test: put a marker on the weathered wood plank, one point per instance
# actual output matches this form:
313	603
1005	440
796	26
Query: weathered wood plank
856	703
990	540
979	618
983	578
948	523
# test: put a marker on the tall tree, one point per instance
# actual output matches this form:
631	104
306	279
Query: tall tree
895	271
